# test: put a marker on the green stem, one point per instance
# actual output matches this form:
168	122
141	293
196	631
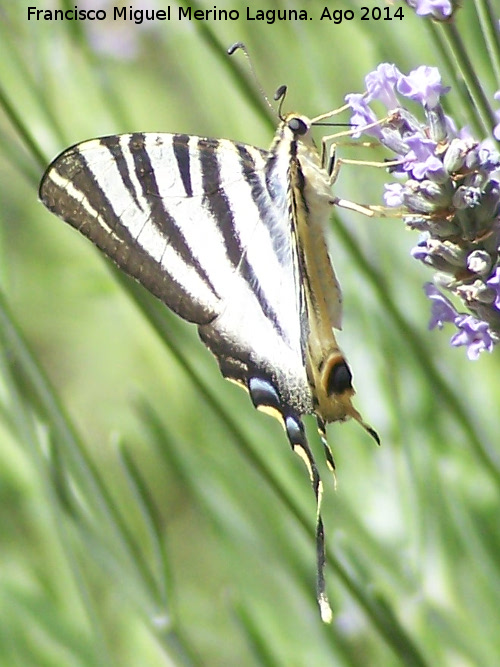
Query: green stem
474	88
21	128
489	26
453	78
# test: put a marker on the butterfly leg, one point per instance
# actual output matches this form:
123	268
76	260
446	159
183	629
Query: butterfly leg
332	165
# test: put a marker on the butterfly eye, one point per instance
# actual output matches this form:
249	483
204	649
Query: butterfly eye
340	378
298	126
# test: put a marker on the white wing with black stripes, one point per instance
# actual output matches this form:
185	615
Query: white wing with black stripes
230	237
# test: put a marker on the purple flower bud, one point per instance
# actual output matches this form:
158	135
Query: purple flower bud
476	295
417	202
473	333
442	255
479	261
466	197
488	156
406	123
416	223
472	159
362	115
420	252
455	156
496	129
490	204
438	9
393	195
421	160
381	85
423	85
494	283
391	139
438	122
442	309
437	193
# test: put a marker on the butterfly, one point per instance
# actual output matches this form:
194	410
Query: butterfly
232	238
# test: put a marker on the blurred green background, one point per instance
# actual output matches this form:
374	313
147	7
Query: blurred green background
149	515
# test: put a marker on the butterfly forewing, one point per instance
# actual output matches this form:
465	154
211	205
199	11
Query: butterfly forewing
202	224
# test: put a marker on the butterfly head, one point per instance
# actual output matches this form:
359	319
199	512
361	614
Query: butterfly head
299	127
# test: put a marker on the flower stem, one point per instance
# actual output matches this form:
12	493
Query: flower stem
491	35
481	103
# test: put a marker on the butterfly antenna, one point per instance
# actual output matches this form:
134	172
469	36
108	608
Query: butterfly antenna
239	46
279	96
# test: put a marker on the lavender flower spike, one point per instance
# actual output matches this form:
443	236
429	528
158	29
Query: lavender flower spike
452	194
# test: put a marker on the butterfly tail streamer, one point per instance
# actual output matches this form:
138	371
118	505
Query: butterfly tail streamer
297	437
265	397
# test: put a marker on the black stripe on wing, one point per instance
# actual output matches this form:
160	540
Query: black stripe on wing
71	189
113	144
160	216
181	153
216	200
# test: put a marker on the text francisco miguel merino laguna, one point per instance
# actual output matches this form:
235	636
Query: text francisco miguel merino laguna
140	15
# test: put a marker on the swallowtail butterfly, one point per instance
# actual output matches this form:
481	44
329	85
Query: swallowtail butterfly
231	238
